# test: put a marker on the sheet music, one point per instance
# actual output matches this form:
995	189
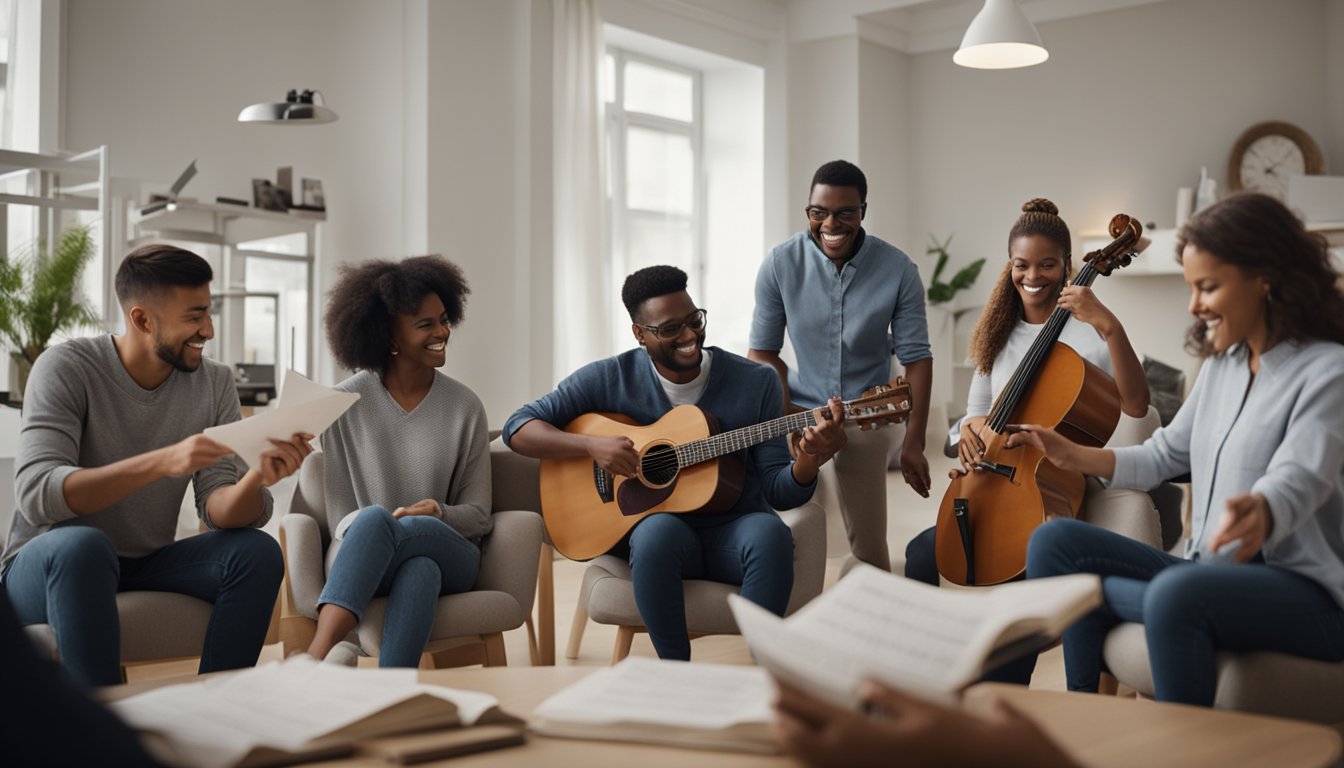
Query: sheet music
217	721
919	638
303	407
665	693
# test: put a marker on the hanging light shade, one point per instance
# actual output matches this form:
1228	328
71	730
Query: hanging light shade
298	107
1000	37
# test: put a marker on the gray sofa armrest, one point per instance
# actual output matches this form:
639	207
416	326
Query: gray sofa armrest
303	561
808	524
1122	510
510	556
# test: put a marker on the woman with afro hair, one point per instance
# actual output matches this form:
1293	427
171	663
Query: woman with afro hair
407	468
1033	282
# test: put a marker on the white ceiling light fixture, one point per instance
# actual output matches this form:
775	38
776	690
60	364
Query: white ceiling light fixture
1000	37
298	107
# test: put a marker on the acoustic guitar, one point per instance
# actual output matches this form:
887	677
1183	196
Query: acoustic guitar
987	516
685	465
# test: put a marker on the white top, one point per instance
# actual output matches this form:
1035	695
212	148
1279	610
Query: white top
688	393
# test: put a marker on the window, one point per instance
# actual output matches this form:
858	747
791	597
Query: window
6	34
655	194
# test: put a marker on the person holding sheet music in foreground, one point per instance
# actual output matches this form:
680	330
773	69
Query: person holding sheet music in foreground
1262	439
407	468
748	544
111	436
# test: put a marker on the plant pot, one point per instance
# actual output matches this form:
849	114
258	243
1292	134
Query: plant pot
18	376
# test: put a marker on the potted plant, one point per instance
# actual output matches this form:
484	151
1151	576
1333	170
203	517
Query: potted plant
39	297
940	292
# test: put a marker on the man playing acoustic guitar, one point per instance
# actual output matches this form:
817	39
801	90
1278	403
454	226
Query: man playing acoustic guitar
748	544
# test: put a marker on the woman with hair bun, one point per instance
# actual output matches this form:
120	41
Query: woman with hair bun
1032	284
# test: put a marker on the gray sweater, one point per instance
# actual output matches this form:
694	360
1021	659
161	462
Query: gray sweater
377	453
83	410
1281	435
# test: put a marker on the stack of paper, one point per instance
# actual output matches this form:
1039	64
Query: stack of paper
705	706
303	407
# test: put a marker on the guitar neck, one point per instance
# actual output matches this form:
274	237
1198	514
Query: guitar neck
724	443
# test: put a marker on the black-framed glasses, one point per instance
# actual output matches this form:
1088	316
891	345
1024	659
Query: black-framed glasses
695	321
848	215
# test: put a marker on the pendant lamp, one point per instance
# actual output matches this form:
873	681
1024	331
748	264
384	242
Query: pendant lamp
298	107
1000	37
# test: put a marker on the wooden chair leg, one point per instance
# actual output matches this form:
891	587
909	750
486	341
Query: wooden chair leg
1107	685
576	628
296	634
494	650
624	637
546	607
533	652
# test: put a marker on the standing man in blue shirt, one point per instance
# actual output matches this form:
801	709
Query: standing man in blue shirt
839	292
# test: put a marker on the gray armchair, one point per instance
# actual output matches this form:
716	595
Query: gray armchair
468	627
608	595
155	627
1262	683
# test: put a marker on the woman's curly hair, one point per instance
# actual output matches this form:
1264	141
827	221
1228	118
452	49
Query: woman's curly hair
1261	236
363	306
1004	308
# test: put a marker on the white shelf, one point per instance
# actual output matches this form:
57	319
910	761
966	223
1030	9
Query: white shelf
1157	260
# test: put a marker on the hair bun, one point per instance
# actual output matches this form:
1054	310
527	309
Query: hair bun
1040	205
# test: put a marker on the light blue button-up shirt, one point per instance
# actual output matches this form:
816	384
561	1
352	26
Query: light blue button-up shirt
1281	435
839	321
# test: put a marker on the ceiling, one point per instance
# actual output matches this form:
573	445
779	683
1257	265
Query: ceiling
919	26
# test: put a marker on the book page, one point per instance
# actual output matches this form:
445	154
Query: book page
285	705
672	693
303	407
927	640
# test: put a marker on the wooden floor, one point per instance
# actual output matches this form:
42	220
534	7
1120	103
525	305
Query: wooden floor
908	514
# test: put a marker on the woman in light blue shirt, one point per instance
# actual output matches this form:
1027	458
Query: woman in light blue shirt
1263	441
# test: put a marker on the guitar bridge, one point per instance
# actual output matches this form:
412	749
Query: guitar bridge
604	483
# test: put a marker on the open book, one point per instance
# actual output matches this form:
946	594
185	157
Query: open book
926	640
303	407
300	709
705	706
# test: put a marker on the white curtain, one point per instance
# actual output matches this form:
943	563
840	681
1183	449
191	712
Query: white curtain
582	298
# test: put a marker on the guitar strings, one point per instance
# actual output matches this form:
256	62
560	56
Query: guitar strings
1026	372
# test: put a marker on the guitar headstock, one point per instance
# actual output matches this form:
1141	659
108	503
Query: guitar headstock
883	404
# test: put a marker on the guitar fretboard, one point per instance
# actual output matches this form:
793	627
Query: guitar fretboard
718	445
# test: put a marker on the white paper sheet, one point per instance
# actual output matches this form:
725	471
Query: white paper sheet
303	407
216	722
926	640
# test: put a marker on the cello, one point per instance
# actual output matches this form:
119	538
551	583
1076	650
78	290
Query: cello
986	516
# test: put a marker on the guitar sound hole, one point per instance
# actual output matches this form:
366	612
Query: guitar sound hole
659	465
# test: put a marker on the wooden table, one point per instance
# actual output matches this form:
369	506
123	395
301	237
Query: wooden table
1097	730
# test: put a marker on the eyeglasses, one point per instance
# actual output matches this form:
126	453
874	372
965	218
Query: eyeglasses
819	214
695	321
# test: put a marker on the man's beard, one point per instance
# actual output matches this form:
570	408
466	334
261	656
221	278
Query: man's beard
175	358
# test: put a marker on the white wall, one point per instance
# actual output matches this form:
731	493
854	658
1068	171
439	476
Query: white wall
161	82
823	114
1127	109
884	144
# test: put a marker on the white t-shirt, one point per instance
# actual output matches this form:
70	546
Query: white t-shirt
688	393
1083	338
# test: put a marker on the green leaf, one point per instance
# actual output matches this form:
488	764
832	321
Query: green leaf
40	292
967	275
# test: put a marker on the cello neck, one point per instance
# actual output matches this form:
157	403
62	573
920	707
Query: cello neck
1020	384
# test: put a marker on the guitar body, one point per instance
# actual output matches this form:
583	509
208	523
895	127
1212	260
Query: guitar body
1002	508
588	511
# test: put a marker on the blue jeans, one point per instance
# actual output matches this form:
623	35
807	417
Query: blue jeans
1188	611
921	562
69	578
410	560
754	551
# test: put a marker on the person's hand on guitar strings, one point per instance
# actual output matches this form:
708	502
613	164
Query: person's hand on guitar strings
1057	448
971	446
827	436
615	454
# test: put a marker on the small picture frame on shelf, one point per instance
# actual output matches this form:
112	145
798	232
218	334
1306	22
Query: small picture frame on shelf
313	199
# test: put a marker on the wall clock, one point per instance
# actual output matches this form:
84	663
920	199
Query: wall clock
1268	153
